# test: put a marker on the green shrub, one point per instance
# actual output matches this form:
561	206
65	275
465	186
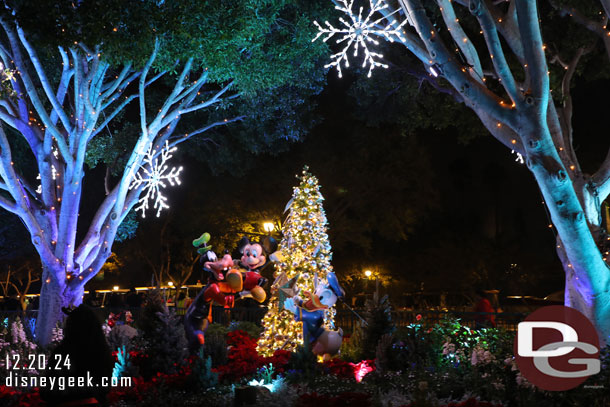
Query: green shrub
304	365
161	337
216	330
253	330
216	345
377	322
202	375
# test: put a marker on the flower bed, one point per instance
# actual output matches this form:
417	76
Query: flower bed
446	366
245	361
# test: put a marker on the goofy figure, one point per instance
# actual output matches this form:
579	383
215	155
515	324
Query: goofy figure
226	283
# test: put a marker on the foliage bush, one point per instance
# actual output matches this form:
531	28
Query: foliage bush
15	343
351	347
153	304
202	375
412	349
303	365
121	336
362	344
216	330
446	365
253	330
215	344
216	349
378	317
161	337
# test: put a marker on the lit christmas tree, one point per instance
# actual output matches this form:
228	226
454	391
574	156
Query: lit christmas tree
305	252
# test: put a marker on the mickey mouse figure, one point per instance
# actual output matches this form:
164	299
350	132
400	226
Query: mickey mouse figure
254	260
323	342
227	282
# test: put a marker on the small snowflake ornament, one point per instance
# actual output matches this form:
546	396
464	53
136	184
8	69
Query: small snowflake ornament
152	174
360	31
519	157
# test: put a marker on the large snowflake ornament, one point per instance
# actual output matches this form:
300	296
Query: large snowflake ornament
359	31
152	174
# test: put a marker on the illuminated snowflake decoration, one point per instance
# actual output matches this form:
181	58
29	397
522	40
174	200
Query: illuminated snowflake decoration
359	32
153	174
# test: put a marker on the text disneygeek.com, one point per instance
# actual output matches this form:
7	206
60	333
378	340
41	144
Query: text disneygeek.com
63	382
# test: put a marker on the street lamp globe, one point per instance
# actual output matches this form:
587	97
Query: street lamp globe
268	226
368	273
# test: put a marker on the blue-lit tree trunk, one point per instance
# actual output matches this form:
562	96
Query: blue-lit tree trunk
58	121
524	118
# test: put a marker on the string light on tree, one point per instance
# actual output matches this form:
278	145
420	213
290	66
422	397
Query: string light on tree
54	173
305	252
153	172
359	32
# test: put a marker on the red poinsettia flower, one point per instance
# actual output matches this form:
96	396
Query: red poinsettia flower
362	369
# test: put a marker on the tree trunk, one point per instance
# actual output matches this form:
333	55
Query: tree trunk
54	295
587	274
594	305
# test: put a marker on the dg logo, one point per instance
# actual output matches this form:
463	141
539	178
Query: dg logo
557	348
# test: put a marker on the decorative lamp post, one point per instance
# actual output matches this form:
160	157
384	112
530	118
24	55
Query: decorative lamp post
269	227
369	274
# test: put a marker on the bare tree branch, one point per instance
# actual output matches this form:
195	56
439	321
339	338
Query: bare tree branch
46	86
498	58
527	17
142	88
32	93
8	205
206	128
22	207
602	179
461	39
606	6
598	28
475	94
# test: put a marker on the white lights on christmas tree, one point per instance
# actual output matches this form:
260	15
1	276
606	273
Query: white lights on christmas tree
305	254
358	32
153	174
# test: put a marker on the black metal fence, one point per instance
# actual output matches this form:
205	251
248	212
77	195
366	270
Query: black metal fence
345	319
219	315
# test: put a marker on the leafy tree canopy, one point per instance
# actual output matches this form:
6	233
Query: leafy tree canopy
262	47
256	43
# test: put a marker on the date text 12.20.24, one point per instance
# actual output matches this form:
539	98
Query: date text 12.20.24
37	362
